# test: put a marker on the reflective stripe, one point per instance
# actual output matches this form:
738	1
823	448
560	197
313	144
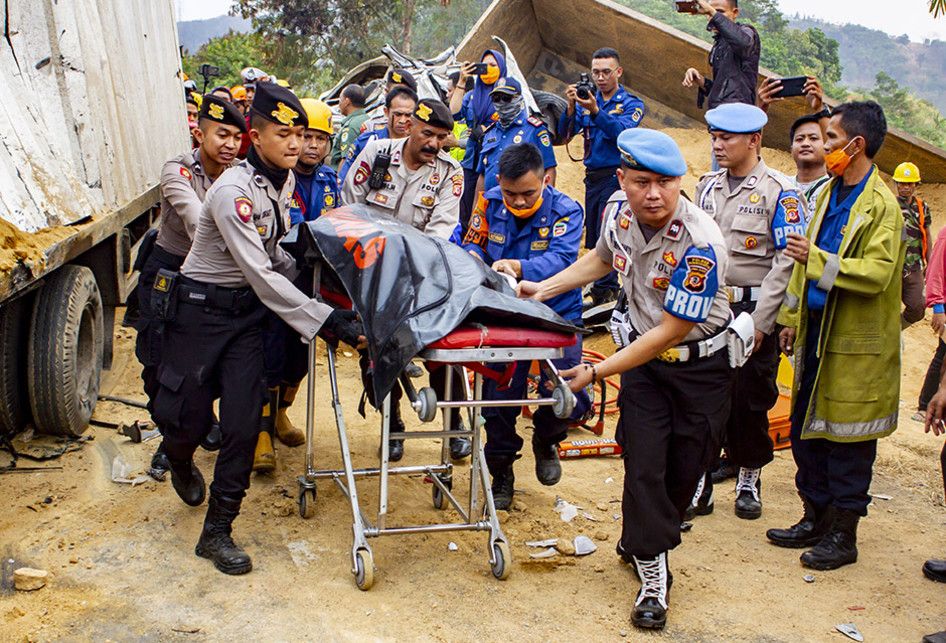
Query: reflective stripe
832	266
791	301
819	426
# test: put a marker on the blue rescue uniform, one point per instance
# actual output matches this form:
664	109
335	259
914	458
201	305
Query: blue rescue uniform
314	195
545	244
355	149
525	129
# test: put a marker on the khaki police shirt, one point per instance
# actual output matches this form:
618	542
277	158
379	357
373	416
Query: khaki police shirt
750	218
237	245
183	188
647	268
427	198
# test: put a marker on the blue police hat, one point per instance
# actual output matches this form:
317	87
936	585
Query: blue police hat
509	86
652	151
736	118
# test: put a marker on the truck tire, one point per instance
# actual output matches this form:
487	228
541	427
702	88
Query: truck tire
14	401
552	108
66	349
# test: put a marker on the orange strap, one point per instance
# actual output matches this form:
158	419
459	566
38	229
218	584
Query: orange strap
923	239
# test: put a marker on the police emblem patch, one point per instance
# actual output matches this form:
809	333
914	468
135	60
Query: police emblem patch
790	205
670	259
161	284
423	112
185	173
624	222
674	230
215	111
559	228
661	283
396	77
457	185
285	114
751	242
754	198
434	178
427	201
362	173
637	115
697	269
244	208
329	200
545	139
620	264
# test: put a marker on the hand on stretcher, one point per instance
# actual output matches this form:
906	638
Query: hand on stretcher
344	325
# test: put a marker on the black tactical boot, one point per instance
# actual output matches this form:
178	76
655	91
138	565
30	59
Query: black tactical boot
935	570
548	469
838	547
806	532
188	482
503	480
159	464
396	447
748	488
703	501
724	470
650	608
459	447
215	542
213	439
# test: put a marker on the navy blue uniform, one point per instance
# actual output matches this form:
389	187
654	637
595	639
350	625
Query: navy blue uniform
315	193
545	244
525	129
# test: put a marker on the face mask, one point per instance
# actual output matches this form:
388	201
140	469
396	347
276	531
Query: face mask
491	75
838	160
526	212
509	112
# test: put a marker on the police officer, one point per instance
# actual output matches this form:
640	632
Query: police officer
422	187
378	118
213	310
513	126
185	180
286	365
600	118
527	229
399	105
756	208
675	375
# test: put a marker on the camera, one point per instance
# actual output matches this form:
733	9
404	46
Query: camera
584	88
208	71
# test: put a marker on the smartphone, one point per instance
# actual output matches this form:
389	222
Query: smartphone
687	6
479	69
793	86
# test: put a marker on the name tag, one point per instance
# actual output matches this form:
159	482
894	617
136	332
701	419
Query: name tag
539	245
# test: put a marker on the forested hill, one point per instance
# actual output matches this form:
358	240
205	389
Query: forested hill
194	34
864	52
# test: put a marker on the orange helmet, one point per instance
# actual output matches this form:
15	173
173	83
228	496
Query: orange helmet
238	92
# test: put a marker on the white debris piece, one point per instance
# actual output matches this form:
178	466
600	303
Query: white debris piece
584	546
548	542
551	552
850	630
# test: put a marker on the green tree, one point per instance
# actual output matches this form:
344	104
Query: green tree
230	53
906	111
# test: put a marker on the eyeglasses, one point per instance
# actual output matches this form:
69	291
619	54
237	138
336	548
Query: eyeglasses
602	73
502	99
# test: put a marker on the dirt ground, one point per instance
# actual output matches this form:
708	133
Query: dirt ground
122	564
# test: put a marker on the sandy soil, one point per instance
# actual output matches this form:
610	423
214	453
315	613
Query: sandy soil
122	564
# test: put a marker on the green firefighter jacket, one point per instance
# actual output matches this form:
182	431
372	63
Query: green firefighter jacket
857	391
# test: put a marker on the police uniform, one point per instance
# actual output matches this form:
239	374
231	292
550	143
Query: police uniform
545	244
234	271
357	147
377	120
756	218
674	407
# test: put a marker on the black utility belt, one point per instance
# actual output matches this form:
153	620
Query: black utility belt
600	173
232	300
167	257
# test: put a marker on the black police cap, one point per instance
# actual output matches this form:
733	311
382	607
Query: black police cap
434	112
278	105
223	111
402	77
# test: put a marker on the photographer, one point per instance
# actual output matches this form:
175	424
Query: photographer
600	112
734	56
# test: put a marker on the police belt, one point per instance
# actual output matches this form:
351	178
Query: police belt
599	173
166	257
743	295
229	300
691	351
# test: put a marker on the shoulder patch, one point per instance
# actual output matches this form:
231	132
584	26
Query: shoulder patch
362	173
637	114
674	230
457	181
693	285
545	139
244	208
788	218
186	173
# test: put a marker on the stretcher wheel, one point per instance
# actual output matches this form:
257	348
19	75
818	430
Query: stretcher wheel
427	411
364	569
440	500
563	401
307	503
500	565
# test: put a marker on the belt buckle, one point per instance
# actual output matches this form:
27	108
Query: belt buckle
670	355
731	294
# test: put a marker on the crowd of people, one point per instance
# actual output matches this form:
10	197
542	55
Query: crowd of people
708	289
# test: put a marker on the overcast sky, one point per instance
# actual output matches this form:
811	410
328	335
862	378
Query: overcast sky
909	17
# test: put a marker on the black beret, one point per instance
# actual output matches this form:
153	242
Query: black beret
279	105
402	77
434	113
223	111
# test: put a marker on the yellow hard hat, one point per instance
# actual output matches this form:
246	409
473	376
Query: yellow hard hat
906	173
320	115
282	82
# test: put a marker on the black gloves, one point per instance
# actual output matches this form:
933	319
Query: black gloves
342	325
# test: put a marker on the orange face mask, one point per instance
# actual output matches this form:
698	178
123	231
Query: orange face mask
491	75
838	160
524	213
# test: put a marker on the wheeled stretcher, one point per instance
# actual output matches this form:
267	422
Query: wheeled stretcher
466	349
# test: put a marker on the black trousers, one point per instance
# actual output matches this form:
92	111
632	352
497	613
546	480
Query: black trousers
207	352
286	356
754	393
829	473
150	330
931	382
672	417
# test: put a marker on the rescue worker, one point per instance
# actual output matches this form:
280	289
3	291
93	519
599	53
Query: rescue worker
185	180
842	322
675	375
476	109
213	310
399	106
916	228
422	188
351	105
513	126
286	365
527	229
239	98
756	208
600	119
377	119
